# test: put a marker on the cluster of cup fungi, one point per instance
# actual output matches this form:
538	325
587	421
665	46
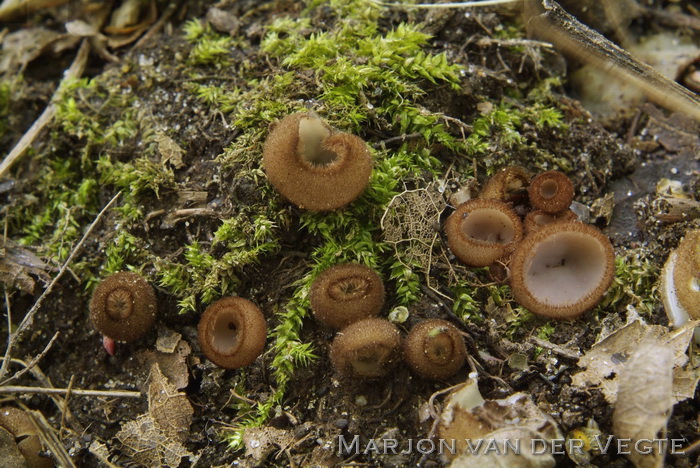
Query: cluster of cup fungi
556	265
519	226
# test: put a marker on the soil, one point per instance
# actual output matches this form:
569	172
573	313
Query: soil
624	156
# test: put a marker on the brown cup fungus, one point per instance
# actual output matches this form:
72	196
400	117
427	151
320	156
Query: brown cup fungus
505	184
480	232
313	166
434	349
123	307
680	282
551	192
536	219
232	332
346	293
562	270
366	349
20	425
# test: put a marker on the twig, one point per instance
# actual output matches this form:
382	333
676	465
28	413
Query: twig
560	350
65	401
65	391
76	69
28	367
397	139
50	439
157	26
445	5
27	321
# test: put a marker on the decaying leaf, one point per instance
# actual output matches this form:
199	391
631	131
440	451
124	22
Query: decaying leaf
409	224
513	449
468	419
156	438
645	401
171	362
170	151
16	266
262	441
606	359
18	9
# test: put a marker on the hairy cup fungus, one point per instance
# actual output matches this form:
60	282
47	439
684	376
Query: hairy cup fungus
20	425
346	293
507	183
536	219
562	270
680	282
314	167
434	349
123	306
232	332
480	232
551	192
366	349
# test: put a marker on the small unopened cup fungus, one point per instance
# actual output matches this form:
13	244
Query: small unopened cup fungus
346	293
20	425
232	332
123	307
434	349
562	270
680	282
313	166
551	192
506	183
366	349
534	220
480	231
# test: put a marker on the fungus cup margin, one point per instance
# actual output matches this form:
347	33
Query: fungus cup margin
562	270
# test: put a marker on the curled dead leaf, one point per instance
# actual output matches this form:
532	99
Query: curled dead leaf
645	401
471	421
610	354
156	438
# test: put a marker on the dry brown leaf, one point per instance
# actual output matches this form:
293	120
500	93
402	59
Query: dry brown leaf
125	18
16	266
155	439
468	416
18	9
645	401
168	340
172	365
409	223
504	456
223	21
169	408
170	151
606	359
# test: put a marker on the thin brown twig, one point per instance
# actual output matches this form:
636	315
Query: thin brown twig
65	402
35	360
65	391
157	26
76	70
27	321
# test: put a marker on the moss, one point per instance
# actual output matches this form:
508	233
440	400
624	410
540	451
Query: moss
341	62
206	274
635	283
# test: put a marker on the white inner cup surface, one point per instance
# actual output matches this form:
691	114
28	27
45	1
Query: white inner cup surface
564	268
489	225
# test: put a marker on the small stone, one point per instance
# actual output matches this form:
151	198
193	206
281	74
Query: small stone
341	423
